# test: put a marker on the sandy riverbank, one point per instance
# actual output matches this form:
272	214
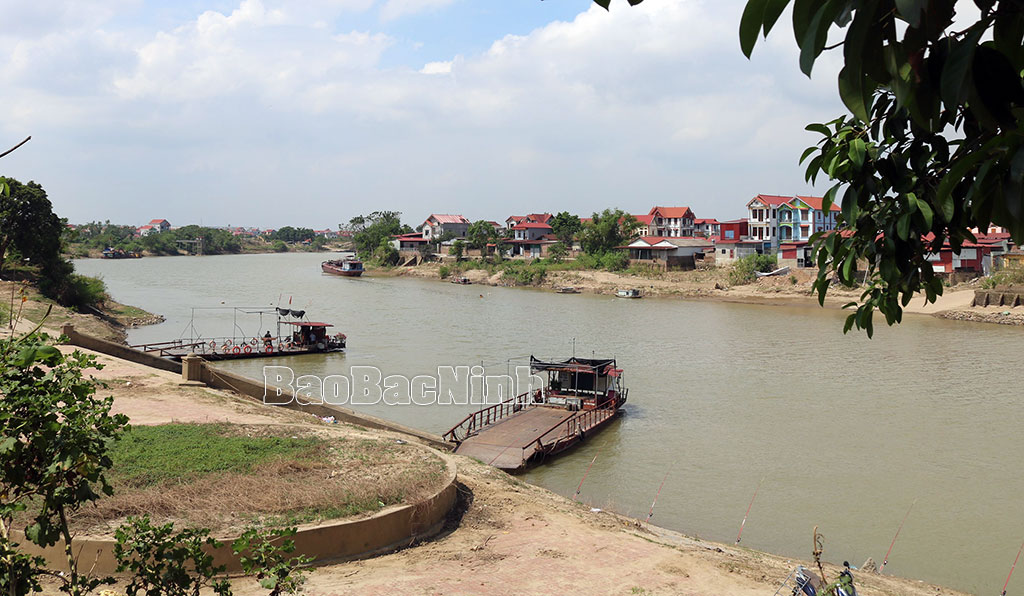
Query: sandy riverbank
713	284
512	538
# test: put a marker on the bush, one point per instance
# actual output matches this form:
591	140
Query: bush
743	270
279	246
614	260
444	271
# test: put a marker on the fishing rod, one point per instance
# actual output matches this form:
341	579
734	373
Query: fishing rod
886	559
744	522
1011	570
578	488
651	513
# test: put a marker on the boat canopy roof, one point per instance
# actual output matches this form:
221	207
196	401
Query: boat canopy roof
305	324
595	366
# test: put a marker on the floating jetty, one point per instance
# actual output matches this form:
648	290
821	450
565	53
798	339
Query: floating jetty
579	397
290	338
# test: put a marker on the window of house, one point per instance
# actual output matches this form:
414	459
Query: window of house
773	214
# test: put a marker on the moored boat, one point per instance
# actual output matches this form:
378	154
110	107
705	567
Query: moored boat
461	280
345	267
567	290
629	293
579	397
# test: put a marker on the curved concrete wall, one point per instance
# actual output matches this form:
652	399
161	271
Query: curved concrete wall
385	531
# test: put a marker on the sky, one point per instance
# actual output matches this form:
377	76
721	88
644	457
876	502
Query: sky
268	113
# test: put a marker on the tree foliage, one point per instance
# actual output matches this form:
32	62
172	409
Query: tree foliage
290	234
264	553
55	438
607	230
565	226
479	234
163	562
933	144
370	231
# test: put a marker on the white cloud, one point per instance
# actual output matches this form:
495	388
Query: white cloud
640	105
394	9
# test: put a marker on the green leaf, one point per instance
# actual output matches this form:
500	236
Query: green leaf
772	11
814	38
818	128
852	92
603	3
926	211
903	227
807	153
910	10
955	81
858	148
750	25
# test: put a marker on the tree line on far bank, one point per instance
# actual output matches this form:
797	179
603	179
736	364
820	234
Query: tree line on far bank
598	239
99	236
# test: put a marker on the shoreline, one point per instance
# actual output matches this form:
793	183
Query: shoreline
712	286
522	534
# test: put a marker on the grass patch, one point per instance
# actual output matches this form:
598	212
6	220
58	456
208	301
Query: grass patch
150	455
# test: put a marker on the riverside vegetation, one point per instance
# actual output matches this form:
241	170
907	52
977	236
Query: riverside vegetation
68	464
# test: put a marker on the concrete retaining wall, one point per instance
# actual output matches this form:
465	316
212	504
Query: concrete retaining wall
117	350
220	379
1013	296
382	532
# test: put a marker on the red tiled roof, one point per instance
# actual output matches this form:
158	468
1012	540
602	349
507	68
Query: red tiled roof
815	203
531	224
516	218
672	211
540	217
774	200
705	221
146	227
157	222
442	218
644	219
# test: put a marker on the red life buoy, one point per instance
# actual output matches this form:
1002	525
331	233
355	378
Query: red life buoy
227	342
236	350
269	350
253	341
248	349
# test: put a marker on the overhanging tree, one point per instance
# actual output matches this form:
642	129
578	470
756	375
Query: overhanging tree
932	146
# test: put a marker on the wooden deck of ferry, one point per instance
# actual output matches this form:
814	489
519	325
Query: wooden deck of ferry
512	435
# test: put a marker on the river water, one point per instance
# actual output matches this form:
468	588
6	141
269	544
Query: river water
845	432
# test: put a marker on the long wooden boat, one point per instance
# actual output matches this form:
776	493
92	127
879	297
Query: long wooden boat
345	267
579	398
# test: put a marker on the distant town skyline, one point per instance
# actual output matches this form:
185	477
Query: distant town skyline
261	113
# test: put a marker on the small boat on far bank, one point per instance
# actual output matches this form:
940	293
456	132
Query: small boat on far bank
629	293
462	279
567	290
118	253
344	267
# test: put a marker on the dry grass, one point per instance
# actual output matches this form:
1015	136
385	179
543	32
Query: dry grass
335	478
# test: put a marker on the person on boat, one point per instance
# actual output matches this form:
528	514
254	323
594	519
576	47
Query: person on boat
268	340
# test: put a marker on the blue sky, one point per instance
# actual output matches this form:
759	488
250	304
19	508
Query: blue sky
269	113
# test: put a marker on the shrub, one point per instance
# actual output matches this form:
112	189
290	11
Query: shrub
743	269
279	246
444	271
614	260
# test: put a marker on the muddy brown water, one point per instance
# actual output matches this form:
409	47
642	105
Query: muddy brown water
845	431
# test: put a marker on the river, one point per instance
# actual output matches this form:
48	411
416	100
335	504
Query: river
846	432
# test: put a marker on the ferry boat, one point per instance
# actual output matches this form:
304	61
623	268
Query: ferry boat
580	396
629	293
289	338
346	267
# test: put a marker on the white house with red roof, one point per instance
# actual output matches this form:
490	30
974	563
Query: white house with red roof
439	223
161	225
706	227
671	222
542	218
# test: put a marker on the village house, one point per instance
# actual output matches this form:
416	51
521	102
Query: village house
437	225
328	233
671	222
762	214
643	227
531	239
667	253
707	228
160	225
409	242
541	218
973	257
776	219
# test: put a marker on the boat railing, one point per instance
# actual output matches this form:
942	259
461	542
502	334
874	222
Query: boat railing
217	345
482	418
571	427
